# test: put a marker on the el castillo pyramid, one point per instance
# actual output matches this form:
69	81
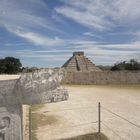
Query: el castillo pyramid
79	62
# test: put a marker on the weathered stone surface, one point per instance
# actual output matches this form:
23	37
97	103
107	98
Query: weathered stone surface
41	86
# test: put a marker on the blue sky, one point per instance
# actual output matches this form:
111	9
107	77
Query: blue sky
44	33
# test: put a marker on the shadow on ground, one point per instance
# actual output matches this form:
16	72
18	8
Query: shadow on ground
92	136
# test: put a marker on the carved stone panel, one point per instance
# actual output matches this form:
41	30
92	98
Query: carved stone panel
10	123
5	124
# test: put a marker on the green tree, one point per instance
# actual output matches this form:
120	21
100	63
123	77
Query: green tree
131	65
10	65
2	66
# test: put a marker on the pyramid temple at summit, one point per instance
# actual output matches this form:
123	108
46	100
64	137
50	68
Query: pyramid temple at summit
79	62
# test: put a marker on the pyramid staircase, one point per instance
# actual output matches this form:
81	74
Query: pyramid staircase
78	62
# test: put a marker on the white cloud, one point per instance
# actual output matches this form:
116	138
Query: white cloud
25	15
127	11
92	35
110	54
134	45
14	44
38	39
102	14
81	42
41	40
83	17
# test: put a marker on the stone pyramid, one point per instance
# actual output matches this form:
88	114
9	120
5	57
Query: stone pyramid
78	62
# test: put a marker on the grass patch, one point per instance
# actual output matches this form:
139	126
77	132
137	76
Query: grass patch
35	120
39	120
92	136
36	107
34	136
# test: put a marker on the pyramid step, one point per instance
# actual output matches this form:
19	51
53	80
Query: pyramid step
78	62
81	63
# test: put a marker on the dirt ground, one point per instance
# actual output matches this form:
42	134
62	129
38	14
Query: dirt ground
79	114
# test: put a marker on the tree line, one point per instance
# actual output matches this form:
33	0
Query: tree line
130	65
11	65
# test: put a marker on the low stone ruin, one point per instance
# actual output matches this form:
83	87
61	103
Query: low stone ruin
39	87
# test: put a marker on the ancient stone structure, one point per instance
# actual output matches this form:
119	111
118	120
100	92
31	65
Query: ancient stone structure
80	70
103	77
78	62
31	88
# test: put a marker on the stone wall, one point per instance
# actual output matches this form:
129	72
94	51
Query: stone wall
104	77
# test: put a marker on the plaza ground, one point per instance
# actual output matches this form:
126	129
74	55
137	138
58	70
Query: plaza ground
79	114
